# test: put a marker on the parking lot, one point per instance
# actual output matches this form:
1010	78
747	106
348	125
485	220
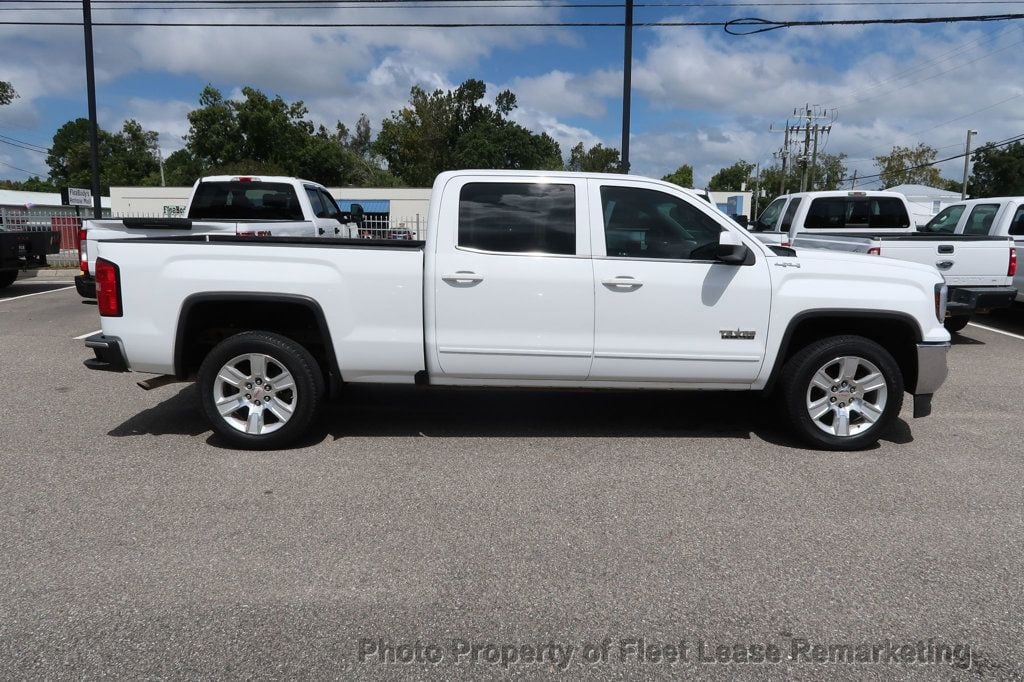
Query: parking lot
132	543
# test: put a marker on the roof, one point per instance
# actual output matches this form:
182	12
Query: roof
19	199
369	205
924	191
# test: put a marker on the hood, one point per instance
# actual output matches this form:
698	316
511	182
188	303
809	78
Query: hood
857	260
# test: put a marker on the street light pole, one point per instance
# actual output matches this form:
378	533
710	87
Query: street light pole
90	84
627	77
967	162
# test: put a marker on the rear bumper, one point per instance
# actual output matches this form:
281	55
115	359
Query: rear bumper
932	371
86	286
964	300
109	354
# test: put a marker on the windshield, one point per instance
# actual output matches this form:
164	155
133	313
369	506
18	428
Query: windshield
245	201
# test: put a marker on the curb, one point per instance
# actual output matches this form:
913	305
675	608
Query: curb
49	274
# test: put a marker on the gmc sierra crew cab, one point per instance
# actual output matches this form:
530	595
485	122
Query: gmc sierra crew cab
978	268
527	278
224	204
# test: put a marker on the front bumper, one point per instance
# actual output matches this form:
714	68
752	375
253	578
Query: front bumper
109	354
932	371
86	286
964	300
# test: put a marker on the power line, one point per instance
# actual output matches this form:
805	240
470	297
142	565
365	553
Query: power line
10	165
32	147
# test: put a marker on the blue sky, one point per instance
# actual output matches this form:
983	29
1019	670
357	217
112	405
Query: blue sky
700	96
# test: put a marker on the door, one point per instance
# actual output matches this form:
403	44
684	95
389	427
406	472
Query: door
325	213
513	281
665	309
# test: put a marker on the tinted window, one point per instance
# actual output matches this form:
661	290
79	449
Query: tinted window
245	201
518	217
787	220
980	220
331	209
770	216
1017	226
314	201
856	212
645	223
946	221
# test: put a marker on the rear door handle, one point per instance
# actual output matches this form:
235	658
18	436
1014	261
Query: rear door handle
462	277
622	282
944	264
945	248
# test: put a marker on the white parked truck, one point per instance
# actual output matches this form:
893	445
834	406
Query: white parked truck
527	278
995	217
978	268
229	204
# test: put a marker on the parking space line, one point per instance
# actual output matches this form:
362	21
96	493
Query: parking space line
38	293
79	338
997	331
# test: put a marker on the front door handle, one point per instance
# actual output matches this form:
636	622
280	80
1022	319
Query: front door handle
622	282
945	248
462	277
944	264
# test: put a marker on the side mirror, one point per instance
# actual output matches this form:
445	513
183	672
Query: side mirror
357	214
743	220
731	249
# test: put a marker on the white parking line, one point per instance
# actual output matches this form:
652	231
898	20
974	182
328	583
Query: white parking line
997	331
79	338
38	293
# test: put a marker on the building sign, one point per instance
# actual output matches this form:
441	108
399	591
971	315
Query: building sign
73	196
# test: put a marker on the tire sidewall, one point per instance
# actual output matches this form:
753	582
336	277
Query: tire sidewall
809	360
309	386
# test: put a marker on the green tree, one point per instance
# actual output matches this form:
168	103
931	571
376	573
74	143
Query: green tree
127	157
7	93
597	159
829	174
362	141
998	172
682	176
453	129
908	165
32	184
181	169
732	178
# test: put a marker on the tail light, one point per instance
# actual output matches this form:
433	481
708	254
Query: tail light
875	251
1011	269
108	288
785	245
83	257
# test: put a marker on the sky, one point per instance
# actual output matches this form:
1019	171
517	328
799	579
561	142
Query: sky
700	96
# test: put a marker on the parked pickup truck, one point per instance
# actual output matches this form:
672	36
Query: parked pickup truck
979	269
223	204
24	249
996	217
540	279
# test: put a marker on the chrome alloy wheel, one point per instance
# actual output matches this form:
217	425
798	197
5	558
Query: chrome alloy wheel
255	393
846	396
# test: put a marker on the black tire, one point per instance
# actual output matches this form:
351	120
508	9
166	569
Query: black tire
956	323
282	352
796	392
7	278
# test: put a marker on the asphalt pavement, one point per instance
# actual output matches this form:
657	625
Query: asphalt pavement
489	529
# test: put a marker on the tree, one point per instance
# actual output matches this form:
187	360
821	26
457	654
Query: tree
597	159
7	93
32	184
732	178
128	157
906	165
362	140
829	174
682	176
451	129
998	172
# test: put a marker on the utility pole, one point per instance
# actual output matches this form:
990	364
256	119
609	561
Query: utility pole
627	77
967	162
785	155
90	84
160	158
807	146
757	188
853	185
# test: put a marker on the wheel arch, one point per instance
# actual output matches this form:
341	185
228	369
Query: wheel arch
207	318
895	331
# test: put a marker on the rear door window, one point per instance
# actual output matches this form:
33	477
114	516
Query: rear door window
1017	225
787	219
518	217
979	221
245	201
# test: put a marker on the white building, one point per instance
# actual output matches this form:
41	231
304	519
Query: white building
925	202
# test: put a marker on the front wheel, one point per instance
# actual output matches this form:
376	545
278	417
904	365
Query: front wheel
842	393
956	323
7	278
260	390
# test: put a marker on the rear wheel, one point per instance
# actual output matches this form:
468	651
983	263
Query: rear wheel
7	278
842	393
260	390
956	323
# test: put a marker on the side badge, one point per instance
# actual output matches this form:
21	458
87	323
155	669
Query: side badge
737	334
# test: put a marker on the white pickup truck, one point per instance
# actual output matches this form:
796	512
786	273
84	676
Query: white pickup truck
225	204
995	217
978	268
527	278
